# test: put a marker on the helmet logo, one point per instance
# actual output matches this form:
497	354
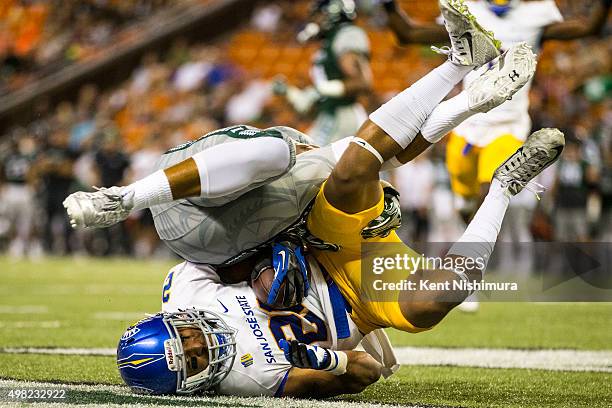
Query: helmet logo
170	357
130	332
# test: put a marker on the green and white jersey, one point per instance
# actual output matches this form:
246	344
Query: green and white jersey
346	37
223	230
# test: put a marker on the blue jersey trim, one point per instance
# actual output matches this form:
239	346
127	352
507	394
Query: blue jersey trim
339	310
281	388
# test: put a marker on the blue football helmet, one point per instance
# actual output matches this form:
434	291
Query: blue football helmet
501	7
151	359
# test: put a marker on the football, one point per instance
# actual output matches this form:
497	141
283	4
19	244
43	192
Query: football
261	284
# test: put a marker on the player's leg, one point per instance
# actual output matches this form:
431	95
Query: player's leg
491	157
462	165
353	185
506	75
425	308
239	164
392	132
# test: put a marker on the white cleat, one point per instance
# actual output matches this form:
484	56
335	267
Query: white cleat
471	45
102	208
507	75
540	150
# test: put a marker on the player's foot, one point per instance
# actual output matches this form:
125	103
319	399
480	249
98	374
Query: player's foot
471	44
508	74
99	209
540	150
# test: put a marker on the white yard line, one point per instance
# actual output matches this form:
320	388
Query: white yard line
118	315
23	309
60	351
106	395
555	360
31	324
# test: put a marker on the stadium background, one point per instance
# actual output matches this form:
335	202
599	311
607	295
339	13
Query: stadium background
92	91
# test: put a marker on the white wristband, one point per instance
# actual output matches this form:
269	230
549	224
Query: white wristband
339	361
334	88
361	142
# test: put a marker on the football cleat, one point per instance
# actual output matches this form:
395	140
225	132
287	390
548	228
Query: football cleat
100	209
507	75
540	150
471	45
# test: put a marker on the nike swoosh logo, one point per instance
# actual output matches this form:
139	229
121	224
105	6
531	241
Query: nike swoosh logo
282	264
224	307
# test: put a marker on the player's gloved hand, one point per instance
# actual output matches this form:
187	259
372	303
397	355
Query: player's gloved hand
279	85
389	220
314	357
290	268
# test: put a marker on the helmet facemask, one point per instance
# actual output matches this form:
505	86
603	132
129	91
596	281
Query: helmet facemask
221	346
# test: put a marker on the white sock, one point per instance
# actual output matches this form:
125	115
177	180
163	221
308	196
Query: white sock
445	117
149	191
403	116
478	240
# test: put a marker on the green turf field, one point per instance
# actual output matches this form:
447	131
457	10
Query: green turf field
88	303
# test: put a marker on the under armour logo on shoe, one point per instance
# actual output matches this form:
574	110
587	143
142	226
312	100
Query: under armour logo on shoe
514	75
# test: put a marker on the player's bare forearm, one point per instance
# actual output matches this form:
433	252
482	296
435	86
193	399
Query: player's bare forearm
361	371
409	32
357	74
579	28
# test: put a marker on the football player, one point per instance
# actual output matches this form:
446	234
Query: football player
340	72
213	336
217	199
479	144
348	201
221	198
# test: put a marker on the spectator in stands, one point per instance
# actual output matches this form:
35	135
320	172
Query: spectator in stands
18	196
54	170
574	175
111	164
415	182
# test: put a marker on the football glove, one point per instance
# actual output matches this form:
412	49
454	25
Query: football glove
389	220
290	267
314	357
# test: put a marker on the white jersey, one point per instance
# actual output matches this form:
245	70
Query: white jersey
260	367
525	22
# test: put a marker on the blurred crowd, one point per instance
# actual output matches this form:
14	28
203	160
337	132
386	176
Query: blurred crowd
39	37
114	136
